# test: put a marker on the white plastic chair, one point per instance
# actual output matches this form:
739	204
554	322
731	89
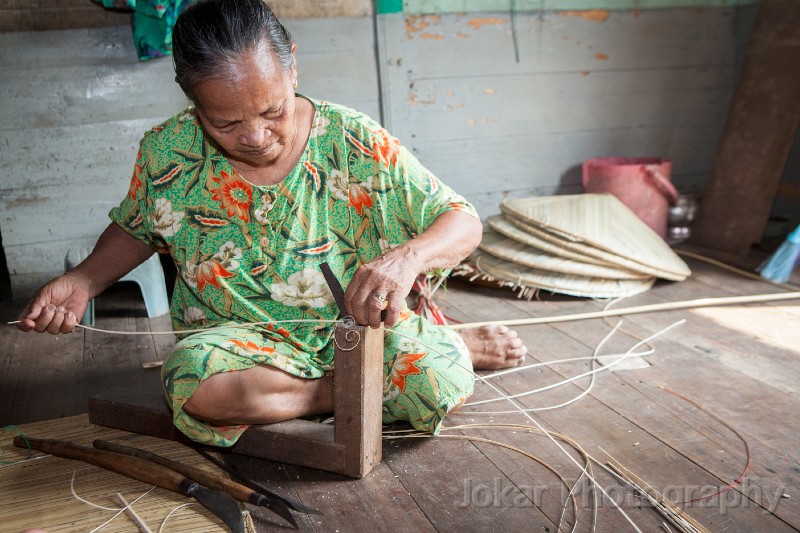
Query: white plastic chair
149	276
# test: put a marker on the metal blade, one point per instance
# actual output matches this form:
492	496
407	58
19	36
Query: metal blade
335	287
220	503
275	505
247	482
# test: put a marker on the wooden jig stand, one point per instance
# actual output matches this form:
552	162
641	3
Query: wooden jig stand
350	446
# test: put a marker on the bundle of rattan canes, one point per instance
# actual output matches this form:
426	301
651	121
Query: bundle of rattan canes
587	245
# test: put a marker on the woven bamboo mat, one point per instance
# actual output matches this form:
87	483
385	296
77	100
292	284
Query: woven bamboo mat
568	243
507	228
522	254
570	284
600	221
36	493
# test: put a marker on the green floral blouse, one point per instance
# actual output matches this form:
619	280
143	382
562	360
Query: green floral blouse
247	253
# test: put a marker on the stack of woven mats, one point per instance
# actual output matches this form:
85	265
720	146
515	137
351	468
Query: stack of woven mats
588	245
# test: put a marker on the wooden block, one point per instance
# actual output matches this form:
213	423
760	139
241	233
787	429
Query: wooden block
358	397
135	411
351	446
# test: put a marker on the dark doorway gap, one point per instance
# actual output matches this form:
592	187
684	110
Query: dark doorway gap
5	279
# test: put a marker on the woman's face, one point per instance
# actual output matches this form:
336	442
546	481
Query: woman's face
251	112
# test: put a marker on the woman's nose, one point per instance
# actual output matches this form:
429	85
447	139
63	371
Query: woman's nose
254	135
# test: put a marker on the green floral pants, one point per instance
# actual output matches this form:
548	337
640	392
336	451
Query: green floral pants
427	370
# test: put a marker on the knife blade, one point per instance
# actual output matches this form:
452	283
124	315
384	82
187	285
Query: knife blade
335	287
247	482
238	491
221	504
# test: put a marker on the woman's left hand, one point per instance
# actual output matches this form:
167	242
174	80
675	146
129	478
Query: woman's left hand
382	283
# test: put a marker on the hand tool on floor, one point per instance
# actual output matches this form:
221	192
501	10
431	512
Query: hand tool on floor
238	491
261	489
221	504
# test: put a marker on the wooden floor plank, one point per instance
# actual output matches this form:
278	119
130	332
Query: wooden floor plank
115	361
9	340
782	468
733	394
347	504
53	376
706	340
707	356
617	434
436	471
39	383
162	344
719	450
710	351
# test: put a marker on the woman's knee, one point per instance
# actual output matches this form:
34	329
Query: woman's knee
454	384
214	400
459	382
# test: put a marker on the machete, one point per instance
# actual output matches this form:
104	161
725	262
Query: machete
238	491
261	489
221	504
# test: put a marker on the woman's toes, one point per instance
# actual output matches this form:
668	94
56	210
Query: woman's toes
514	343
494	347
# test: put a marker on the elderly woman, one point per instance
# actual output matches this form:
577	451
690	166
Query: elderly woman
249	192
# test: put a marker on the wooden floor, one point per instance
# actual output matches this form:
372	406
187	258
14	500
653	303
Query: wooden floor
740	363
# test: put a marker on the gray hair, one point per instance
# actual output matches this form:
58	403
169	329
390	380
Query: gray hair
211	35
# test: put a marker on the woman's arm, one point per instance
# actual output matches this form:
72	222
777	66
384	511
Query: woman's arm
57	306
443	244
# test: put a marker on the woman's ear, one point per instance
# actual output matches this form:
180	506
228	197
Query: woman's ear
294	60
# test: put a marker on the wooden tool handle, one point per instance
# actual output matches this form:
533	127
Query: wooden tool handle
207	479
133	467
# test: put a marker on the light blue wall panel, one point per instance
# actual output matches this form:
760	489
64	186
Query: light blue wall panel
652	83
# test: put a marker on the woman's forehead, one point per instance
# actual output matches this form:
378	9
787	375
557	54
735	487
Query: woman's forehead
254	65
252	79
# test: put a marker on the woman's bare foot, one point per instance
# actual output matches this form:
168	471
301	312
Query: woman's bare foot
493	347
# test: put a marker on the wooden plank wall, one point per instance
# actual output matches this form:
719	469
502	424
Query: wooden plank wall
587	84
43	15
293	9
75	104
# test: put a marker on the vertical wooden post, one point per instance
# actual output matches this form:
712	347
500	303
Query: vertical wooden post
358	396
758	135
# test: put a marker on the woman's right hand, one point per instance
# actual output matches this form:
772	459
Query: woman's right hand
57	306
